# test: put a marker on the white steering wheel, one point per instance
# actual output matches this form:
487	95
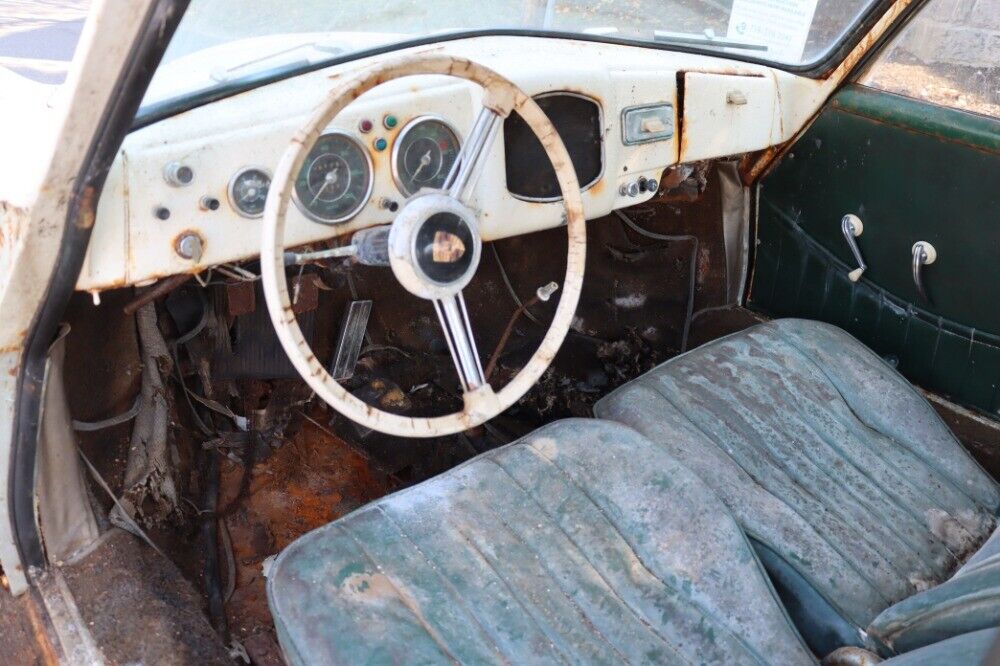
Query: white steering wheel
434	248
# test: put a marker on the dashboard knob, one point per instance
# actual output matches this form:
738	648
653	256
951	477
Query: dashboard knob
629	189
189	246
177	174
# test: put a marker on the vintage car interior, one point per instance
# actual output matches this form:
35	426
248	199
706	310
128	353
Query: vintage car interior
536	346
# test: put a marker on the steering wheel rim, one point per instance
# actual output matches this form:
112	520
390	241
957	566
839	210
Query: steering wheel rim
501	97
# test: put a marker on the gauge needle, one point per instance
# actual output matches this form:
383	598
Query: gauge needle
329	179
424	161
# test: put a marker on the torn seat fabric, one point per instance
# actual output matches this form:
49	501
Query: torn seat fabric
583	542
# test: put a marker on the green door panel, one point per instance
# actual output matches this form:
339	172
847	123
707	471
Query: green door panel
911	171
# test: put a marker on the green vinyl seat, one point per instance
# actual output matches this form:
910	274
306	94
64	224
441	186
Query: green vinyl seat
583	542
851	488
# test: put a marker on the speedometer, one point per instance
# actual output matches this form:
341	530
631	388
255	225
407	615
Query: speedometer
423	154
335	181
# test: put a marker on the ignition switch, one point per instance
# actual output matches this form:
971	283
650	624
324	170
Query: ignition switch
189	246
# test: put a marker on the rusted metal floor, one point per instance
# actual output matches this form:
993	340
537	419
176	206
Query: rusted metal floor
309	481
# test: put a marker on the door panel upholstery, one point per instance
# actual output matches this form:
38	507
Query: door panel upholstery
911	171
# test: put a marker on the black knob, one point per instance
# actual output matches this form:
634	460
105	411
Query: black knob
648	184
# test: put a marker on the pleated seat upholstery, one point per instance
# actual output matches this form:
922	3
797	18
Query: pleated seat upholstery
583	542
853	491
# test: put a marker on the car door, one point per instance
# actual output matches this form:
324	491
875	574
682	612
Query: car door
55	158
912	150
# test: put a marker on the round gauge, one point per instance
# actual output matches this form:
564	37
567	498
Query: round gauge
336	179
423	154
248	191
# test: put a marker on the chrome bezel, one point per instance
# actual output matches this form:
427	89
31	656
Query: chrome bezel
643	107
232	182
368	194
407	128
604	157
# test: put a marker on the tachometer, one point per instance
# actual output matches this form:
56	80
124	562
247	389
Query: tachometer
335	181
423	154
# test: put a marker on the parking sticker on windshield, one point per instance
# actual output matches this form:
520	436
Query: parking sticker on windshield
780	25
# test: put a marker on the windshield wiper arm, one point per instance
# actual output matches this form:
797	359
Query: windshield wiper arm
707	38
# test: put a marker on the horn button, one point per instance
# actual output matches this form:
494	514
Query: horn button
434	246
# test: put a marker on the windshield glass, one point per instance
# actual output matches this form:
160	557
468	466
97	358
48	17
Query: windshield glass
221	42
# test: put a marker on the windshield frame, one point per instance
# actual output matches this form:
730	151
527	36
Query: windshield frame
817	69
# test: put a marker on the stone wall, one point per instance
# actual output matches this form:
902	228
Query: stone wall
956	32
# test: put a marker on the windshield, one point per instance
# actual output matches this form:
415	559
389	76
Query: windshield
222	42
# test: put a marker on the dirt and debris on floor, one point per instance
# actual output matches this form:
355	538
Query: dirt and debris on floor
310	480
139	608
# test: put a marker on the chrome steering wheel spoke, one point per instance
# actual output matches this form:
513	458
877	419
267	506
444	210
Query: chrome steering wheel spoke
470	159
458	332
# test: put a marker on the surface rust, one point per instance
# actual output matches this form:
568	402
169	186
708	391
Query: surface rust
25	636
311	480
755	166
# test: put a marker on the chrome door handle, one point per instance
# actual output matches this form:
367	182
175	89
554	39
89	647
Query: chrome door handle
852	227
923	254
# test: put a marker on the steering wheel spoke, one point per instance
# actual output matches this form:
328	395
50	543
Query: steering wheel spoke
470	159
454	319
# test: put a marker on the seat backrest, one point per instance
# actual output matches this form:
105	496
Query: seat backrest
967	602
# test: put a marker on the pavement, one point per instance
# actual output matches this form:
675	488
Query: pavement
38	37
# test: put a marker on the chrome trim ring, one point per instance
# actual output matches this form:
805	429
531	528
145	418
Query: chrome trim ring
398	141
232	198
364	200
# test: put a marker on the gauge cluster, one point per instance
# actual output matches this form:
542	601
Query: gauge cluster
337	178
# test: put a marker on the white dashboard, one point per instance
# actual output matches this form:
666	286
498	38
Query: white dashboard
167	206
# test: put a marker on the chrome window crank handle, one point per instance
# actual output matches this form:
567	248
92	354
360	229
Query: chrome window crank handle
923	254
852	227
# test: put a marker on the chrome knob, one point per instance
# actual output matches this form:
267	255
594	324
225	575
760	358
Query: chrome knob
177	174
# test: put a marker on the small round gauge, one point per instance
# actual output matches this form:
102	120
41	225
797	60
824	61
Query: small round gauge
335	180
423	154
248	191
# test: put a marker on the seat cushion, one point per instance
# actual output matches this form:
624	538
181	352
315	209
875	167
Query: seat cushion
968	602
582	542
977	647
852	488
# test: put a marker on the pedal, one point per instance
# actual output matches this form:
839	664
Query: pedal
352	335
